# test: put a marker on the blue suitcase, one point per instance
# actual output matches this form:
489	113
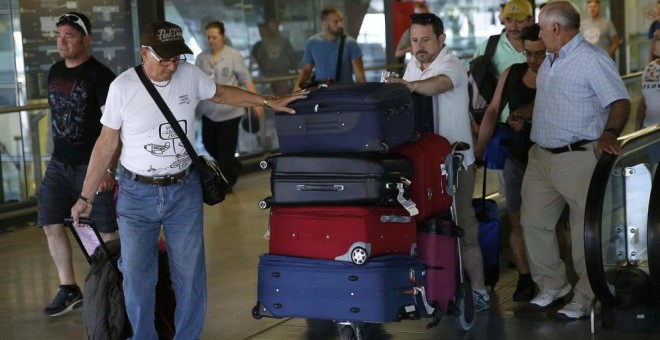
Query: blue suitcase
349	117
379	291
490	227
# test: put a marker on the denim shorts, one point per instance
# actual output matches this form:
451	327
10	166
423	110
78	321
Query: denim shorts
60	190
513	173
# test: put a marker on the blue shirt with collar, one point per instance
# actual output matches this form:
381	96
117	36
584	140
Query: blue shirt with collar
574	94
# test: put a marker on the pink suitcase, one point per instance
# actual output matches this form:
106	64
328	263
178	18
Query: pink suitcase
437	247
343	233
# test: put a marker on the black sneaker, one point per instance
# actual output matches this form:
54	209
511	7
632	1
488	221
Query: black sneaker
524	290
65	301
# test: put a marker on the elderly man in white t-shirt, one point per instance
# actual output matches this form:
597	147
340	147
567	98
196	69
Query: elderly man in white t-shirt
158	186
436	72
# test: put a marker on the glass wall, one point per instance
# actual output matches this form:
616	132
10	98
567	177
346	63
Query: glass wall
27	50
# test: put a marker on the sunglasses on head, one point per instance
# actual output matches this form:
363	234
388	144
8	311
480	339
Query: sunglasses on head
72	19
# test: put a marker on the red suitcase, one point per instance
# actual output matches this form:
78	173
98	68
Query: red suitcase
343	233
429	184
436	242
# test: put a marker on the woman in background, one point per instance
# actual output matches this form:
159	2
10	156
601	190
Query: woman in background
220	122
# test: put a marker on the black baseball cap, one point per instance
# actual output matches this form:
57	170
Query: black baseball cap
165	38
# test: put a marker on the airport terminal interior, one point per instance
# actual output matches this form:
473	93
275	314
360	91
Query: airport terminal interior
235	229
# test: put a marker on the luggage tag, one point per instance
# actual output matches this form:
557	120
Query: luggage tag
409	205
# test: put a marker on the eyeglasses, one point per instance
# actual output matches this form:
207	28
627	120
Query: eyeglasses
72	19
166	62
537	54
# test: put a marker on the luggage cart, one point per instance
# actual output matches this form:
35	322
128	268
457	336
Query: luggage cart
463	307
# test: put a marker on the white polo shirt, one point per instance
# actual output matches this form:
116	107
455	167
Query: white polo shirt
450	109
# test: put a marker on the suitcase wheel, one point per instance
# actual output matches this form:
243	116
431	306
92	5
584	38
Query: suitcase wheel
384	148
416	136
264	165
359	255
264	203
255	312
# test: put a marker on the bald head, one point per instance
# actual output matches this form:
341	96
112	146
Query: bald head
563	13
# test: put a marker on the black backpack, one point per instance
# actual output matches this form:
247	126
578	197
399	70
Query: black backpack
482	80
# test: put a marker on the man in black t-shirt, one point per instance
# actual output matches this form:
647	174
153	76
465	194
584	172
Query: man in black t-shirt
77	89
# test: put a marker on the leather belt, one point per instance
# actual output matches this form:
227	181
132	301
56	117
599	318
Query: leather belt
160	181
577	146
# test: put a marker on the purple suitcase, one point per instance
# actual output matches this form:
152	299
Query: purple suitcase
436	245
349	118
382	290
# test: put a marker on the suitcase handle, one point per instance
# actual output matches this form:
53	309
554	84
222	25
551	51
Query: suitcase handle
395	219
317	187
396	110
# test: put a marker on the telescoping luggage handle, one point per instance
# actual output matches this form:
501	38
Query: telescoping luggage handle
86	224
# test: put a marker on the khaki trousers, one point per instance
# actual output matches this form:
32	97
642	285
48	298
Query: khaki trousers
550	180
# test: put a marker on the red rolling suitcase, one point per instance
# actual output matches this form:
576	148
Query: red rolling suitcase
343	233
429	184
348	118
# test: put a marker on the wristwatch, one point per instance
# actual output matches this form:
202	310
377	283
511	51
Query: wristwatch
613	131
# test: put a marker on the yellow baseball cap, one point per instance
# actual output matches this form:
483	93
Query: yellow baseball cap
517	10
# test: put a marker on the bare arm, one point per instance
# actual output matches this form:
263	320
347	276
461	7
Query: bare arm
358	68
250	87
428	87
619	113
108	181
236	96
616	42
490	117
105	149
305	74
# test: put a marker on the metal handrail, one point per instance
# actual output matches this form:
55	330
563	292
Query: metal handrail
593	247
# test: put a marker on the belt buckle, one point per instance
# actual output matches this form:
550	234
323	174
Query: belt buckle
159	180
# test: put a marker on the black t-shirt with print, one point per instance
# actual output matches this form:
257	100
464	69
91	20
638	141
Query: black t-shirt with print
75	96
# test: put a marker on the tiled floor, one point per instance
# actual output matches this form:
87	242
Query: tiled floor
234	231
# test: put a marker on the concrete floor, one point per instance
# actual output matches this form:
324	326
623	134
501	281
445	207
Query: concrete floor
234	239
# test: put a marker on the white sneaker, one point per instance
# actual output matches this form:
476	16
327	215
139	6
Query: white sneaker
573	311
547	297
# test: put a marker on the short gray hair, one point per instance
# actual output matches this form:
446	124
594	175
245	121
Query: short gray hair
564	13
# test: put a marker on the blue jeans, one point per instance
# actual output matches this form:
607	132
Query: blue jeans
142	210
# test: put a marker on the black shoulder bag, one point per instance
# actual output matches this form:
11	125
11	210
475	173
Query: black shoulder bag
214	183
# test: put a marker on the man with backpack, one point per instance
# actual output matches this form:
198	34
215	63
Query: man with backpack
517	14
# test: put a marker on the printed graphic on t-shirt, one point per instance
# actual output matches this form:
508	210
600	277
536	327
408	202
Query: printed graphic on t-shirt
592	35
651	77
68	99
171	147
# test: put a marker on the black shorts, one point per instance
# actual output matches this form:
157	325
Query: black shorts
60	190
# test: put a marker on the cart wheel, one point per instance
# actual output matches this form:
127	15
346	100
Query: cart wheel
465	305
255	312
359	255
349	332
